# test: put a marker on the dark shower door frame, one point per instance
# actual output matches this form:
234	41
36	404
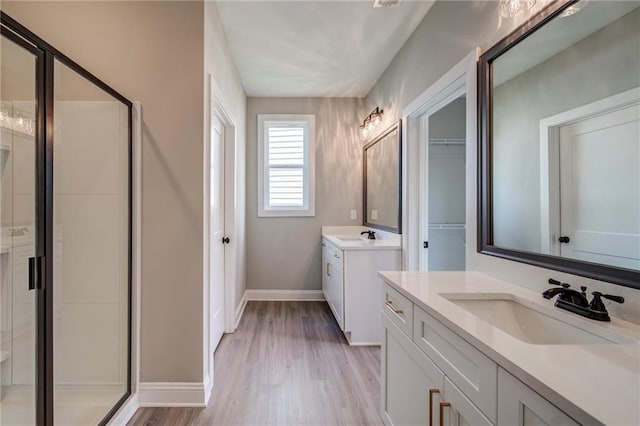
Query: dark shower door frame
46	54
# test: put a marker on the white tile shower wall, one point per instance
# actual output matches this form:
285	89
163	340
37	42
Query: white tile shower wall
91	217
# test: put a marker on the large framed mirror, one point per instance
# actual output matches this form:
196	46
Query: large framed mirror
559	118
382	181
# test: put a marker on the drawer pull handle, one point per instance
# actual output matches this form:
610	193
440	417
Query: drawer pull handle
431	392
336	256
390	305
328	270
442	405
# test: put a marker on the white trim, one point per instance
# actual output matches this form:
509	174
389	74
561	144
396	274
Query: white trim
309	209
459	79
172	394
136	251
550	161
298	295
208	389
240	309
218	109
126	412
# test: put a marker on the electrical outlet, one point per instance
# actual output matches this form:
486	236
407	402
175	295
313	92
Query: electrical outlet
354	214
374	214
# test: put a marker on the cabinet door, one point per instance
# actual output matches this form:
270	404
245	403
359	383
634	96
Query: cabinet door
325	269
518	405
335	290
407	376
458	410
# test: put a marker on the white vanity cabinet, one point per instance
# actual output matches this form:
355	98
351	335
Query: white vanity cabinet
415	389
351	285
430	375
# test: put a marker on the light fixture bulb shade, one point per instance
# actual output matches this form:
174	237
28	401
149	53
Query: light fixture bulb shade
513	8
376	119
364	132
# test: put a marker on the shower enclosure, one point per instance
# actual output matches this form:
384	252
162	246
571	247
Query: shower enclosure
65	238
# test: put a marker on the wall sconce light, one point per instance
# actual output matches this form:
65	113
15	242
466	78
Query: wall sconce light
513	8
370	123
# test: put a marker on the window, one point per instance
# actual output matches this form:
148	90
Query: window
286	160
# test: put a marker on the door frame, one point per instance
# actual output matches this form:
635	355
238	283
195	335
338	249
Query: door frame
550	160
450	94
219	109
461	79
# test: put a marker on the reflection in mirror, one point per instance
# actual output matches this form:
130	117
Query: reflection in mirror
382	181
566	138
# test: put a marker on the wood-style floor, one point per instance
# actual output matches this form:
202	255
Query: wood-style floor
287	364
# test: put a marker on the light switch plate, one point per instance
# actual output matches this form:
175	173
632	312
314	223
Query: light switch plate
354	214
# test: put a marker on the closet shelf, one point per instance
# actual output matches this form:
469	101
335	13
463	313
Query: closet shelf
447	226
447	141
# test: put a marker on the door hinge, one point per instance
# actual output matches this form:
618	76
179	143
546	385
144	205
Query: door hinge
425	244
36	273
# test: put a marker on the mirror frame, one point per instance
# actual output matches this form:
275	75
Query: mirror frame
398	228
616	275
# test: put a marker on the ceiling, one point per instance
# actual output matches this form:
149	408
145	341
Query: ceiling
315	48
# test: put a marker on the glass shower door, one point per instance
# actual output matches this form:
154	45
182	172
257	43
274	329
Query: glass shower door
91	249
18	221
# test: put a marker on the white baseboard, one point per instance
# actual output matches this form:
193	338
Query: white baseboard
299	295
126	412
171	394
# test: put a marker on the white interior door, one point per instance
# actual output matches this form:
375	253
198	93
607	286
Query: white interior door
600	188
216	232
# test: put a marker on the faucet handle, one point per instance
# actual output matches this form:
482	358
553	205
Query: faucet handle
558	283
597	304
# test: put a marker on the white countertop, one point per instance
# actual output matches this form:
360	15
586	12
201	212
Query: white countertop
601	380
384	241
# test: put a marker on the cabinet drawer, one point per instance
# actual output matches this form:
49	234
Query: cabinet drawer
333	252
471	371
398	308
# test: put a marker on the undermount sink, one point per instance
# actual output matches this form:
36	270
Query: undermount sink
349	237
506	312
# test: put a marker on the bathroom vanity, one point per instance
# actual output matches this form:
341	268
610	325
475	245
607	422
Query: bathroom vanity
350	284
465	348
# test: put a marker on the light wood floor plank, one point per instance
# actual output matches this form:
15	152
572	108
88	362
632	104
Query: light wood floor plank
287	364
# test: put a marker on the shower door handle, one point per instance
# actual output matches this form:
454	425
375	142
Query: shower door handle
36	273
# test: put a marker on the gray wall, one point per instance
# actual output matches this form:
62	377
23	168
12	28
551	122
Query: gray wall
603	64
153	52
284	253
